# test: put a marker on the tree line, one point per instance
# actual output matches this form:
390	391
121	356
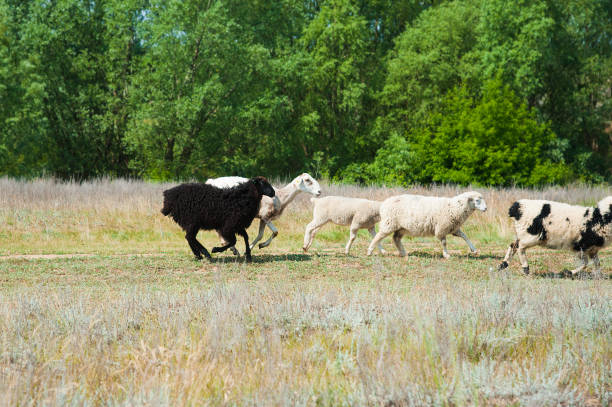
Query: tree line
468	91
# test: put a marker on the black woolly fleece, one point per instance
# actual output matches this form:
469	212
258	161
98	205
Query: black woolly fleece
197	206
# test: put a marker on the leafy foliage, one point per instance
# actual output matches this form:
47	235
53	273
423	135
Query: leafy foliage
347	89
492	140
198	72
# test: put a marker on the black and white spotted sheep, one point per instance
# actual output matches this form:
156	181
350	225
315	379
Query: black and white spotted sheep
557	225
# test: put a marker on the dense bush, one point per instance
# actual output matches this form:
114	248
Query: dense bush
492	140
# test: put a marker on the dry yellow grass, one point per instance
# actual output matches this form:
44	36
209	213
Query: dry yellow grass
291	328
122	216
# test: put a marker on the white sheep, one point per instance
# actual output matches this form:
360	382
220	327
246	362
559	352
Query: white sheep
418	215
356	212
272	208
557	225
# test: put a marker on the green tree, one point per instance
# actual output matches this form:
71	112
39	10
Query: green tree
556	55
491	140
430	58
69	62
23	127
269	123
335	110
198	71
66	37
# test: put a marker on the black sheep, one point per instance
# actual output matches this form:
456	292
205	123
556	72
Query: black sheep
226	210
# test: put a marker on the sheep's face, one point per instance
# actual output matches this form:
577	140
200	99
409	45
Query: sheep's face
306	183
263	186
605	206
476	201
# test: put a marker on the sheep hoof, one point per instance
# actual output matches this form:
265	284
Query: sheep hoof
383	251
503	265
262	245
446	255
526	270
475	253
216	250
248	258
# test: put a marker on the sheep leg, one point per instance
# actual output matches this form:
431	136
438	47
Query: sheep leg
596	263
230	239
397	240
583	259
311	229
444	251
459	233
260	233
379	236
352	236
372	231
274	234
523	259
196	247
233	248
511	250
247	250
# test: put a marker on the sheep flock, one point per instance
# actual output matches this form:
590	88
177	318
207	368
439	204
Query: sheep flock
228	205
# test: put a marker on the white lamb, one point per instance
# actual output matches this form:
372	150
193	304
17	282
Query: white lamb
557	225
356	212
272	208
418	215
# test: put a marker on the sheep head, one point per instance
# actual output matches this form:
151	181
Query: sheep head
306	183
263	186
475	200
605	208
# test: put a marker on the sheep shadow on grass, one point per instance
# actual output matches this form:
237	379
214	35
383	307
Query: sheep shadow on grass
583	275
436	255
266	258
263	258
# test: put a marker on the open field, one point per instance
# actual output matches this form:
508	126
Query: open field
134	320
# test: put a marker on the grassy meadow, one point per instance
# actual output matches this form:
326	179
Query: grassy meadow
102	303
